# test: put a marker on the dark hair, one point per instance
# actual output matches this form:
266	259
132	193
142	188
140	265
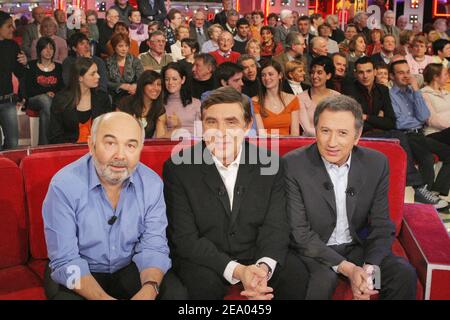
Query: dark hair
303	18
120	24
191	43
439	45
41	44
432	70
134	105
4	17
225	71
262	93
340	54
207	60
268	28
258	12
324	62
185	92
228	95
352	43
73	91
75	39
117	38
364	60
272	15
133	10
324	25
171	14
386	36
350	25
242	22
393	64
382	65
291	39
340	103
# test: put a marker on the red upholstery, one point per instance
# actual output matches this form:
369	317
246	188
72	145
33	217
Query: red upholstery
42	163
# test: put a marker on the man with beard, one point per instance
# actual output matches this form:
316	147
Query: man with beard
105	219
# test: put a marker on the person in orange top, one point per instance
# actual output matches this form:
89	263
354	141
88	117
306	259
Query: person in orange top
122	28
276	112
258	22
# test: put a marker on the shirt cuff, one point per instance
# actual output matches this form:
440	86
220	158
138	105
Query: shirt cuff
229	270
335	268
272	264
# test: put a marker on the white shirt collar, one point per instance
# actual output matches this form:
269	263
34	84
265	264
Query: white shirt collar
329	165
233	164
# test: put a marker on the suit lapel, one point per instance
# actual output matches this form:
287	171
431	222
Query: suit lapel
355	183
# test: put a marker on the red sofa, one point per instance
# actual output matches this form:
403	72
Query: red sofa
421	236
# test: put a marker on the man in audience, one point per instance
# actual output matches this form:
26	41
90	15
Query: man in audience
152	10
199	30
202	72
232	19
61	20
303	25
411	114
318	48
337	204
378	114
360	21
350	32
156	58
402	23
340	68
316	20
294	49
287	23
225	52
441	49
242	36
388	25
337	34
241	233
97	250
250	70
79	47
221	17
106	30
387	51
123	8
32	31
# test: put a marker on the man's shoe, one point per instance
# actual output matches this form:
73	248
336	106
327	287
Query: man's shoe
423	195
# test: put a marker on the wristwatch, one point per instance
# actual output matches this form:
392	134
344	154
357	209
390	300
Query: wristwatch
269	269
152	283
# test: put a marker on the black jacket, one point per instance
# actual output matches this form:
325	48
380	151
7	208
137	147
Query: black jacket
287	88
158	12
64	123
202	228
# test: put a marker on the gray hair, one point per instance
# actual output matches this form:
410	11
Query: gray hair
340	103
245	57
231	13
388	12
315	40
292	38
331	18
97	121
358	16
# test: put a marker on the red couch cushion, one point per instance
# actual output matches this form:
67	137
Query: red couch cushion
13	228
16	279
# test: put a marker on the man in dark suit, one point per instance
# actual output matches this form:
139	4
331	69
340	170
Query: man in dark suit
221	17
32	31
387	51
294	49
199	30
337	203
303	25
152	10
226	210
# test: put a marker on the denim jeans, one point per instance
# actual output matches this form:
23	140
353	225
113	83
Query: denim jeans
42	103
10	125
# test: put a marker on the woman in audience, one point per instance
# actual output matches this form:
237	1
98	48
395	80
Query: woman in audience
295	75
147	104
122	28
406	40
253	48
272	20
321	70
268	46
182	32
74	108
43	81
13	61
138	30
212	44
357	49
375	46
189	48
438	101
182	110
49	28
276	112
123	69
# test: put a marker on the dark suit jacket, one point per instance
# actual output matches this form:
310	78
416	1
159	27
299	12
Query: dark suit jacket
221	18
202	228
193	34
287	88
381	102
158	11
312	208
30	33
377	59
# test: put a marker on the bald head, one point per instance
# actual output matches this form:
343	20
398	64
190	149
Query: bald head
38	14
319	46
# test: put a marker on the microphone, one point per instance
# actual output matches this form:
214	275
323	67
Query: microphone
240	190
328	185
112	220
222	191
350	191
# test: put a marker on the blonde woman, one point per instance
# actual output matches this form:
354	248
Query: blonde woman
214	33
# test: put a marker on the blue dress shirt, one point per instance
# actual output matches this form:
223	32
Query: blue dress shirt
76	211
409	107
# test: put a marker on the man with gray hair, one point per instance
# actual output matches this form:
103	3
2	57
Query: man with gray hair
388	25
231	24
360	21
105	220
32	31
337	206
106	30
402	22
287	25
337	34
294	50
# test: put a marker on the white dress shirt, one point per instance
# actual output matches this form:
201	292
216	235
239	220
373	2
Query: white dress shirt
229	176
296	87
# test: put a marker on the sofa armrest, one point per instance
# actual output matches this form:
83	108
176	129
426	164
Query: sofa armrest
427	244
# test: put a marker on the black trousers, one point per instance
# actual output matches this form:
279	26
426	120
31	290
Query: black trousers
423	148
289	280
413	176
123	285
398	277
441	136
